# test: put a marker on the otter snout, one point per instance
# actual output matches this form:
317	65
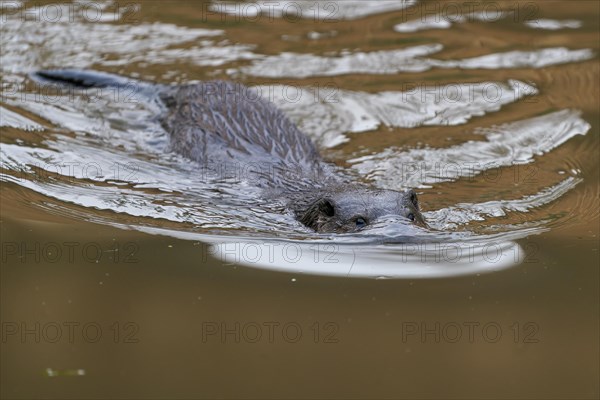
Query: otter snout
351	209
412	210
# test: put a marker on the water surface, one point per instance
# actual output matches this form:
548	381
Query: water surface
490	113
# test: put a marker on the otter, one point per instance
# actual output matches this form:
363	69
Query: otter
221	122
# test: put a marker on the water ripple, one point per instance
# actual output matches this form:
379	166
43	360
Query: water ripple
315	10
410	59
505	145
463	213
326	114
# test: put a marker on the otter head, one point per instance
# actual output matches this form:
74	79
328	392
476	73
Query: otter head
355	209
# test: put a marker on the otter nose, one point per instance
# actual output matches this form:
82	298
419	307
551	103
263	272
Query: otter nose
414	214
408	203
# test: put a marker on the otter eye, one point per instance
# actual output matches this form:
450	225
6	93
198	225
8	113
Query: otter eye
411	216
360	222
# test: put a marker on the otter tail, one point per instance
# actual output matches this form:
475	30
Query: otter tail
87	79
82	78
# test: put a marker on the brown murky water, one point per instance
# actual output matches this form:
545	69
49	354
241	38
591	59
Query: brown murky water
108	289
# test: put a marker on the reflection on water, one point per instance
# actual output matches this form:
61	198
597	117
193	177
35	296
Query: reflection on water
317	10
551	24
110	157
327	114
514	143
406	60
446	20
392	258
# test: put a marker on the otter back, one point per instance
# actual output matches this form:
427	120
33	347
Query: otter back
211	122
224	121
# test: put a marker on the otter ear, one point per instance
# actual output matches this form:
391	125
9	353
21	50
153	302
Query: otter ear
326	207
312	216
412	197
